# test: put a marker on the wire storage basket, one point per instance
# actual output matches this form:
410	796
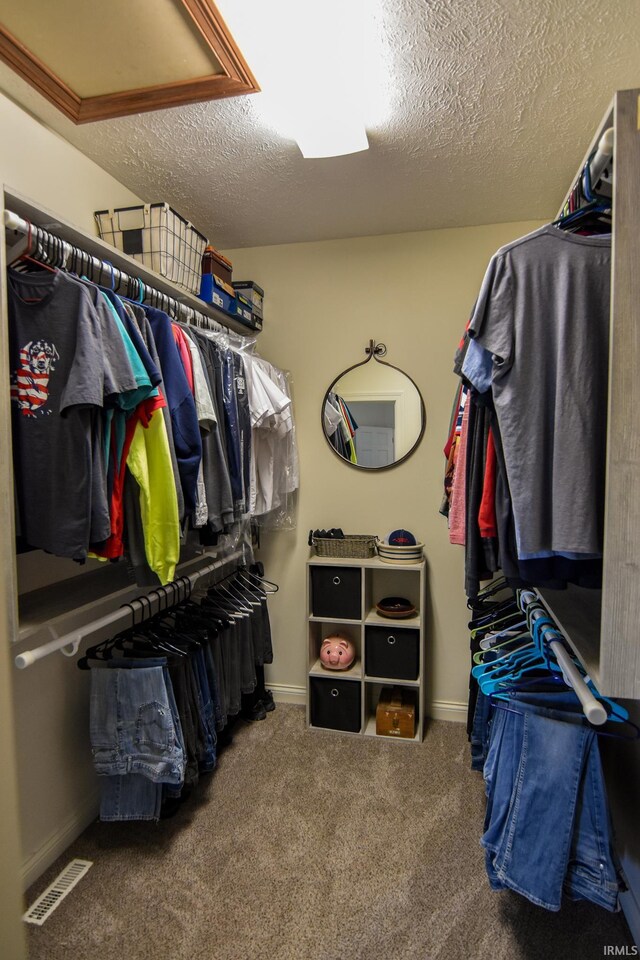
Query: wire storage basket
354	546
157	236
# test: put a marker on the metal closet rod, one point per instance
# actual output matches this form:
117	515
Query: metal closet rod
61	251
69	643
593	710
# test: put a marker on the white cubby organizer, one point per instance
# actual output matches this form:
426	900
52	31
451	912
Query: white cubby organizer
361	584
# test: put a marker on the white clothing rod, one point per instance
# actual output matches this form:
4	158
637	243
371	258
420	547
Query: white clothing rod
119	617
14	222
602	157
593	710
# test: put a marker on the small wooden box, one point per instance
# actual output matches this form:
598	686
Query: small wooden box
396	713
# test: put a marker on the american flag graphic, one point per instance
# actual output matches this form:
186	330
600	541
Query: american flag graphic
30	382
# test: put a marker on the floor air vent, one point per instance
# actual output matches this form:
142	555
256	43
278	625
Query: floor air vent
61	886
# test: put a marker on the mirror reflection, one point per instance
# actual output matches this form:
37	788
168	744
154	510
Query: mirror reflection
373	415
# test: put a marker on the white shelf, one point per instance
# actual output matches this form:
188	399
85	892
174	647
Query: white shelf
71	599
60	608
374	563
391	682
345	733
353	673
578	612
370	731
333	620
104	251
374	618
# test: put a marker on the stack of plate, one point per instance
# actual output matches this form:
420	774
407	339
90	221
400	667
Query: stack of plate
400	554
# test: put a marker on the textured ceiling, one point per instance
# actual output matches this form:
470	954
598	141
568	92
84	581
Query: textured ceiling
494	103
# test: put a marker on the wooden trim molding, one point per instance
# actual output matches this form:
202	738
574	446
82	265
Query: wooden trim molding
207	18
237	79
145	99
34	71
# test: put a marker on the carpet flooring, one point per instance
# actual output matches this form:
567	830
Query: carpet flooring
306	845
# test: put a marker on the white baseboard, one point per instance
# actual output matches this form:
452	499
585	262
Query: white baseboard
439	709
448	710
35	865
287	693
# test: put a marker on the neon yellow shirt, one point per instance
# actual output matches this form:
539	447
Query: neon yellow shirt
149	461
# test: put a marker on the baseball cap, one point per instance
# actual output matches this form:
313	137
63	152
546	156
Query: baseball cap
401	538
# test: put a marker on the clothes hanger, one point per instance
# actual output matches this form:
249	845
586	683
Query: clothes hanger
581	217
168	622
506	671
220	607
512	666
28	255
22	245
243	591
509	620
219	588
506	635
544	631
252	583
504	607
490	590
260	578
489	654
101	651
150	630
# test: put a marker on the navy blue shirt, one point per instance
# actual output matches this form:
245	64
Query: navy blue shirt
182	407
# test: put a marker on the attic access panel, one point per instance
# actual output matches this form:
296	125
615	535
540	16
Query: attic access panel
98	59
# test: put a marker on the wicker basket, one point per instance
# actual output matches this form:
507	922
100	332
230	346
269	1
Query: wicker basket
356	545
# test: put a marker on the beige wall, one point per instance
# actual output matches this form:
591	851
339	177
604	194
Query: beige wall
43	167
56	783
323	303
11	927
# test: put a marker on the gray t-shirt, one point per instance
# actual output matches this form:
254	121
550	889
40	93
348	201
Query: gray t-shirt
543	313
60	376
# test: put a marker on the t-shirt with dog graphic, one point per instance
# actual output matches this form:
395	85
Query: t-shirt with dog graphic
60	380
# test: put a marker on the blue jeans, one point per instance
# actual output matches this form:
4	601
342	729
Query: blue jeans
481	730
547	822
207	713
132	724
130	797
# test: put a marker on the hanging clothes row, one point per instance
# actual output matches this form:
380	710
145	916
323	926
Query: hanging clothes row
143	427
165	695
340	427
524	486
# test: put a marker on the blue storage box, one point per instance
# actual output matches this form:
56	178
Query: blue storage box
253	293
242	311
210	292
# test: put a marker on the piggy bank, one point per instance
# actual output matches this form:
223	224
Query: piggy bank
337	652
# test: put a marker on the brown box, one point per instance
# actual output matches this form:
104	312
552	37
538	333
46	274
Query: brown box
396	713
219	266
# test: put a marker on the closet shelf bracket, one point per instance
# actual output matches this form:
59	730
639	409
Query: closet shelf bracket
69	643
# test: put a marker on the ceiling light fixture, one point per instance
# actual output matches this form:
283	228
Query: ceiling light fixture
317	66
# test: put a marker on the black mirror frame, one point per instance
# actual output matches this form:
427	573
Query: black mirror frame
375	351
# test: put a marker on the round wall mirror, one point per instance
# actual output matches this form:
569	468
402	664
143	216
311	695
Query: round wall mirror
373	414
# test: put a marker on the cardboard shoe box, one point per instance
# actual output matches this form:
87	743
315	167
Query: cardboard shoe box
396	713
252	293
